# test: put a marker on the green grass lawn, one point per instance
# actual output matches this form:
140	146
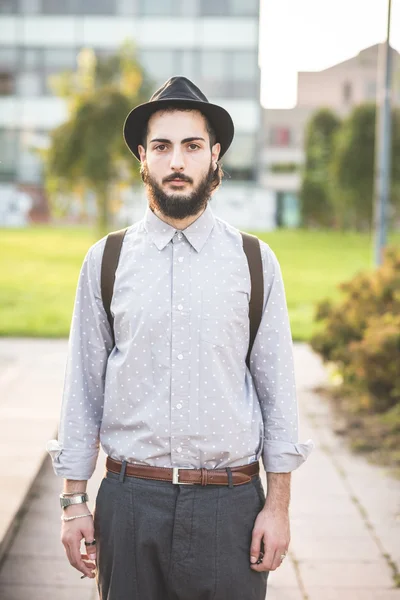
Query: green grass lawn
39	269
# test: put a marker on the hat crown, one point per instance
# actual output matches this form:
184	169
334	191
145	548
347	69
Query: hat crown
179	88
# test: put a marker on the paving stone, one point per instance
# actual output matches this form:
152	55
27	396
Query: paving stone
328	528
324	593
44	592
35	570
319	548
346	574
283	593
285	575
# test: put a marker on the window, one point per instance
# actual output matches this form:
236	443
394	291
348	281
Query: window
347	92
229	73
55	7
370	90
214	72
8	152
188	64
8	66
28	84
280	136
125	7
159	64
30	7
158	8
215	8
29	163
244	65
95	7
8	58
7	84
59	59
79	7
31	58
244	8
240	158
8	7
230	8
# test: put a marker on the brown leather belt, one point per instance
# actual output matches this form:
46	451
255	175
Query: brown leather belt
184	476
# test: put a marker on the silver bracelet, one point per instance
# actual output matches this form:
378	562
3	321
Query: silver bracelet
75	517
66	494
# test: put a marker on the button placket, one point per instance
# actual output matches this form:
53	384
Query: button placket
180	372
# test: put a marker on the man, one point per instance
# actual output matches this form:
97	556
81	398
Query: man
174	398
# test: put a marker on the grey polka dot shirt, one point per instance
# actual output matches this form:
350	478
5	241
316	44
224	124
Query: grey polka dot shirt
175	390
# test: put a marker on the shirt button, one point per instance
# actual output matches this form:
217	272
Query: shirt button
179	406
180	356
180	306
179	449
179	236
180	259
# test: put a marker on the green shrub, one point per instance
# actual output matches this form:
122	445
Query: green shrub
361	334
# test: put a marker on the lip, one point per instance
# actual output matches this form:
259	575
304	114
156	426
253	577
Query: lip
177	182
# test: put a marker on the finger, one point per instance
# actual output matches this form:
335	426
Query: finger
89	565
277	558
91	550
266	560
255	547
76	560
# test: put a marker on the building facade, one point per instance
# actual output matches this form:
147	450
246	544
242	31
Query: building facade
340	88
212	42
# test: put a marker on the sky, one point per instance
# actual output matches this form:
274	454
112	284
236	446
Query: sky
310	35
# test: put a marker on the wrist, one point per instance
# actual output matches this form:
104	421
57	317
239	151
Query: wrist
76	499
272	506
75	509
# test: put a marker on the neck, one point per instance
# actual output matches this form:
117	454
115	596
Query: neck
177	223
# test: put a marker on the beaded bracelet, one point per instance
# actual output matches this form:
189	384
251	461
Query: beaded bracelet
75	517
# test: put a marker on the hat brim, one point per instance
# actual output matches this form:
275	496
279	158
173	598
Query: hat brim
219	118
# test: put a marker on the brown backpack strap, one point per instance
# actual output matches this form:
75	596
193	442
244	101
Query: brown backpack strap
251	247
109	263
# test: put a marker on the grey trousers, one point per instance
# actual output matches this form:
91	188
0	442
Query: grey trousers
160	541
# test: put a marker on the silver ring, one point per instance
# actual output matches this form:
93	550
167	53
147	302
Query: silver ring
90	543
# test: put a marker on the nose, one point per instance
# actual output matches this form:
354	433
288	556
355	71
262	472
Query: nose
177	162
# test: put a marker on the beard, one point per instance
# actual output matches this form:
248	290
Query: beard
178	206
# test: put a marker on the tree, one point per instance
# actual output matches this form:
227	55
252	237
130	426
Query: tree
315	193
353	167
87	152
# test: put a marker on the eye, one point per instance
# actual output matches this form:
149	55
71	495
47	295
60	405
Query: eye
161	146
195	146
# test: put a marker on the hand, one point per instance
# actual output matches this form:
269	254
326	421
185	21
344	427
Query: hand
72	533
270	539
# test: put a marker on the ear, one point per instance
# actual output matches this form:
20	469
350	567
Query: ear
216	149
142	153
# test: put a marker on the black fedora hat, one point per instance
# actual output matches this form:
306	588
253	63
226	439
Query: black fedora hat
179	92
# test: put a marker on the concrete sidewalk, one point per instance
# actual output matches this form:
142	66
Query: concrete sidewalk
345	513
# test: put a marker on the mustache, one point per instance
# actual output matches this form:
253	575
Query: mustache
180	177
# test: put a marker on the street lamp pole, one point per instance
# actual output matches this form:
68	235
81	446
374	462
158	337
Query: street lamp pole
383	145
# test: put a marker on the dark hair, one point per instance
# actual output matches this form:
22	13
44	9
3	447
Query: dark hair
218	173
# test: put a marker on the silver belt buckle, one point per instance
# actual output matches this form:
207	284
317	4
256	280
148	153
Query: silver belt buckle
175	476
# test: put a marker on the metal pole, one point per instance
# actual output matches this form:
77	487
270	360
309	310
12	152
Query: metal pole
382	181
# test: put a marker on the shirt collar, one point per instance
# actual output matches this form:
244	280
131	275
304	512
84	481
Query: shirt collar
161	233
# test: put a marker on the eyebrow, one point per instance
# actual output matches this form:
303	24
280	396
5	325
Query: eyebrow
185	141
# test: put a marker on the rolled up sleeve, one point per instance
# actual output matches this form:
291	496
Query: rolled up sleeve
74	454
272	370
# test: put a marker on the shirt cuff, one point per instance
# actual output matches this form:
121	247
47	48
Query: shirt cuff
284	457
72	463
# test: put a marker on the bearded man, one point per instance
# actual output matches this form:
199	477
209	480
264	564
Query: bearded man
168	379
